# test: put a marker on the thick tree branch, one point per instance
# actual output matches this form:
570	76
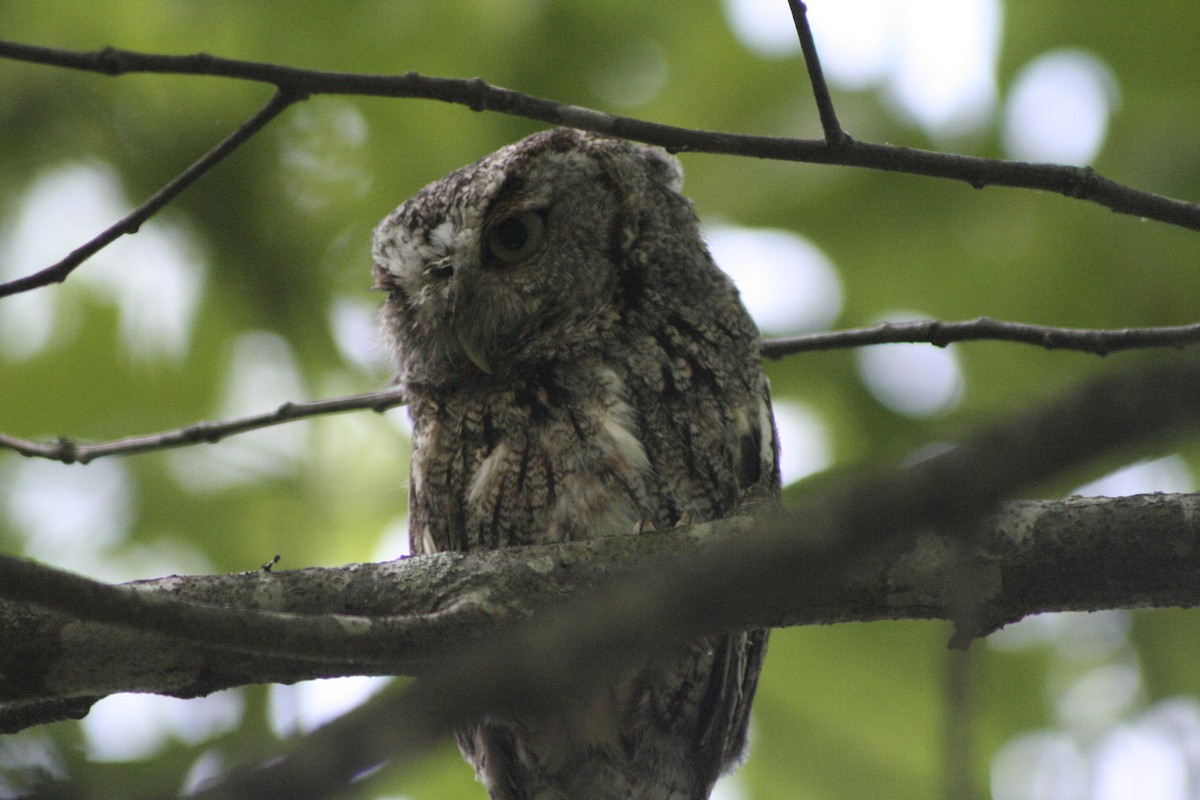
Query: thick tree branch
732	582
744	578
1118	553
1098	341
742	581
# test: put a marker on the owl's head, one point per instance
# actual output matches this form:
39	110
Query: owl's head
525	256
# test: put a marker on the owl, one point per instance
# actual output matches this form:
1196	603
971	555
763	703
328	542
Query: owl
577	366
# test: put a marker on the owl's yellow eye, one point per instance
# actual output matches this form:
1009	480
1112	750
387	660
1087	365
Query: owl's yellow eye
516	237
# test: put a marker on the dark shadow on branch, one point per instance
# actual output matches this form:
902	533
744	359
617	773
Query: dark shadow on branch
750	576
186	636
590	640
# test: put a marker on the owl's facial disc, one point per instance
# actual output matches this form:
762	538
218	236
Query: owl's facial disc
481	317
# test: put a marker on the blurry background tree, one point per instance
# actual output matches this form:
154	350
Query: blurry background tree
251	289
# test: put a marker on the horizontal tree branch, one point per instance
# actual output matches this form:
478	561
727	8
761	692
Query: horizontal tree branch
1081	183
1099	341
1115	553
70	451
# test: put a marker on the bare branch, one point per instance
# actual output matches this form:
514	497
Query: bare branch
324	639
131	222
834	135
69	451
1081	183
1099	341
1119	553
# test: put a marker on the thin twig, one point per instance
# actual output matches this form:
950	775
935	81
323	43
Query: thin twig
1087	340
834	135
1075	182
69	451
131	222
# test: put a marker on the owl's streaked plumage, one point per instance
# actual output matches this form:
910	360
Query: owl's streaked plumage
577	366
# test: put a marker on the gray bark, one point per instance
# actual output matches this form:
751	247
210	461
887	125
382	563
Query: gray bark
393	618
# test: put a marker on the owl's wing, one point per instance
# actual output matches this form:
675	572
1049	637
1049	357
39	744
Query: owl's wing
738	658
725	713
758	451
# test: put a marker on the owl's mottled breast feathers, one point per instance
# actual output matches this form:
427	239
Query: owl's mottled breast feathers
578	366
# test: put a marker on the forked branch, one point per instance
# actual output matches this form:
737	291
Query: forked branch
837	148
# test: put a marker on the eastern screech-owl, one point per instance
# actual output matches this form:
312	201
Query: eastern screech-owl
577	366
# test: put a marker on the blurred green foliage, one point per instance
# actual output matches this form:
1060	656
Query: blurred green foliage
282	230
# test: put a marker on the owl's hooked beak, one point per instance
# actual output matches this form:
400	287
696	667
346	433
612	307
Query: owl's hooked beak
471	322
470	347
